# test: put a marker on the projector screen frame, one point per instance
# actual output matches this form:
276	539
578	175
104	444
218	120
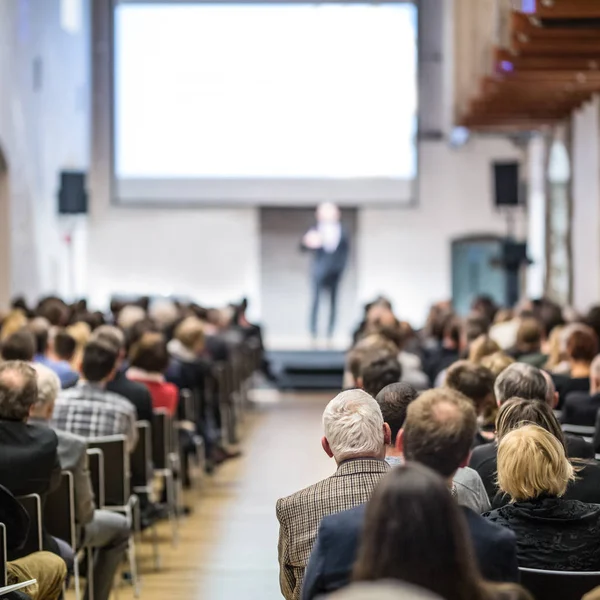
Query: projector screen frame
254	199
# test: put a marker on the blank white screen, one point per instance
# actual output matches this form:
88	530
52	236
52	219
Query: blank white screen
265	102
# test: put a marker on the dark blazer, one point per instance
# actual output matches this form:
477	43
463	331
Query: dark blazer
484	460
334	552
581	409
553	533
328	266
566	385
137	393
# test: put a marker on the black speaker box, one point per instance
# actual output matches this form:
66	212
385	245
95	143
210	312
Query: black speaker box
506	184
72	195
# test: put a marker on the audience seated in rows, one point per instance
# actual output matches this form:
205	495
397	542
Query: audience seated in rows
355	437
528	346
553	533
394	401
415	532
106	531
88	409
438	433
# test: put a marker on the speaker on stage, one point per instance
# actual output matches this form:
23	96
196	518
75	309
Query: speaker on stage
72	195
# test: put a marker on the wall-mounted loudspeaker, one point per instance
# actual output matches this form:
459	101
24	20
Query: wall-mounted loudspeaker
72	195
506	184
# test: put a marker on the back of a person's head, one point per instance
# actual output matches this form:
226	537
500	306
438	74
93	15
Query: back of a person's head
14	321
353	426
366	347
531	463
164	313
48	385
190	333
150	353
592	319
475	326
529	335
582	345
54	310
40	327
81	332
379	370
439	430
453	328
111	335
481	347
476	382
382	590
129	315
19	346
18	390
414	531
99	361
64	345
497	362
521	381
517	412
393	400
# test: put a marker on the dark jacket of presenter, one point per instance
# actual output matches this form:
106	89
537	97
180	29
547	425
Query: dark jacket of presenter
330	246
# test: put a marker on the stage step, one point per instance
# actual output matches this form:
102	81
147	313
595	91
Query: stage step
308	369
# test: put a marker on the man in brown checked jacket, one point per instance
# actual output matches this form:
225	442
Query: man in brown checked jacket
356	437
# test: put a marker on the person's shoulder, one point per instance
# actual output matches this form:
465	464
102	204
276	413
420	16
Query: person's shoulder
119	401
343	520
291	505
489	526
482	454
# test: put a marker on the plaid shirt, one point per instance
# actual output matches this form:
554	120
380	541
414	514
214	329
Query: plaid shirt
300	515
90	411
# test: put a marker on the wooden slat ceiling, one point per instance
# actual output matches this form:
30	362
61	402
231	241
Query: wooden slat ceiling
550	67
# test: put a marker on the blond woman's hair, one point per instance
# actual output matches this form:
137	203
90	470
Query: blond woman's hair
190	332
532	462
481	347
497	362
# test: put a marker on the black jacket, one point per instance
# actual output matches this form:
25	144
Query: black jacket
484	460
553	533
565	385
336	546
328	266
581	409
137	393
29	464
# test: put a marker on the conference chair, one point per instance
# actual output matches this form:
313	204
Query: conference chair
586	431
117	490
192	405
96	467
6	589
566	585
59	518
142	476
166	463
32	503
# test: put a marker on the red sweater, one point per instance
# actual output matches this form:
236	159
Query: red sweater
164	395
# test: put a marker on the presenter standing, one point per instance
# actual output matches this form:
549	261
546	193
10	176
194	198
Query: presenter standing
328	242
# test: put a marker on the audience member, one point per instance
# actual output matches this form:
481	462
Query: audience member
553	533
497	362
129	315
64	346
355	436
448	352
29	462
137	393
438	432
528	348
582	348
365	348
149	360
520	381
379	370
383	590
19	346
411	513
106	531
13	322
481	347
81	333
581	408
477	384
45	354
88	409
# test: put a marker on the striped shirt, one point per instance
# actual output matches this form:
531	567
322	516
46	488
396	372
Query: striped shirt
90	411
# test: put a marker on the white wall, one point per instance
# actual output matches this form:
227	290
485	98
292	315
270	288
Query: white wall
405	253
586	206
44	125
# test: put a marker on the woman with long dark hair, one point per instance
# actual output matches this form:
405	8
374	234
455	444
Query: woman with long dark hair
414	531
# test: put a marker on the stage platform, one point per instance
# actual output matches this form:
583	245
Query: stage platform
307	369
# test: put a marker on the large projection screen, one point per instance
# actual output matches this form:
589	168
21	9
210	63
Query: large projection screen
265	103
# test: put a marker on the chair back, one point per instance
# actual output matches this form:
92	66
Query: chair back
117	480
59	511
566	585
162	433
96	466
188	405
32	503
581	430
141	457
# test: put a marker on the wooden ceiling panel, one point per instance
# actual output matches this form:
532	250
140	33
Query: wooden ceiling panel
567	9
